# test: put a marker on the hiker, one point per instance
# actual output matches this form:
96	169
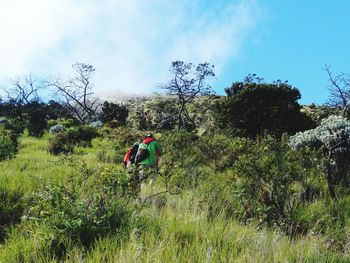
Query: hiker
129	157
148	157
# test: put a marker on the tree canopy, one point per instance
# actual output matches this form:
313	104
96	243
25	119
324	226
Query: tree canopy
252	108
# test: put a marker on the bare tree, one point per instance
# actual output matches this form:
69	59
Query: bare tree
24	91
187	83
339	90
77	93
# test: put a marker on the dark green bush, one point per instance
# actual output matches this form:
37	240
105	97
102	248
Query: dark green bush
251	109
35	115
8	144
81	135
114	112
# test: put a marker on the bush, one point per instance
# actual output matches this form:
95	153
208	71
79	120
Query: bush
222	151
81	135
267	183
96	124
85	207
251	109
17	126
8	144
5	123
182	159
35	113
333	137
268	179
60	144
114	112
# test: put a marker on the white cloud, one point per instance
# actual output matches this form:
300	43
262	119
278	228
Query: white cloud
130	43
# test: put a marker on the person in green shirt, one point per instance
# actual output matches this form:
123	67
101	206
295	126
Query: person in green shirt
148	166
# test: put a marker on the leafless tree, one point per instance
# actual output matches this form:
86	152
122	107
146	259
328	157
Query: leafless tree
24	90
339	89
77	93
187	83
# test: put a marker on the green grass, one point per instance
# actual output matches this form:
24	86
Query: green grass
170	228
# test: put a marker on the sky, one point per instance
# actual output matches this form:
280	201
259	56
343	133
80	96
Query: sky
132	43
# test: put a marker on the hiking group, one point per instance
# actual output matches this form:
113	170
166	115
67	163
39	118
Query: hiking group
142	161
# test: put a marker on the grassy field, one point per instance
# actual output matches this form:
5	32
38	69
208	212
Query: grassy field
167	228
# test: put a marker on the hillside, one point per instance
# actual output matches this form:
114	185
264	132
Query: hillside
166	228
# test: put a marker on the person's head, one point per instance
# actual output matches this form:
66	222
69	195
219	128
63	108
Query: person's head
149	135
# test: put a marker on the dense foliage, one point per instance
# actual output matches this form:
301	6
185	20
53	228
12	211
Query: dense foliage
114	112
234	180
73	203
8	144
251	109
86	206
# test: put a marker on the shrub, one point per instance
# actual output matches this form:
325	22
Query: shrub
96	124
251	109
114	112
17	126
35	113
182	159
85	207
81	135
57	128
267	183
60	144
333	136
222	151
5	123
8	144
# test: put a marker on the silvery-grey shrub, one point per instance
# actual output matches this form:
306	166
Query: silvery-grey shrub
57	128
96	124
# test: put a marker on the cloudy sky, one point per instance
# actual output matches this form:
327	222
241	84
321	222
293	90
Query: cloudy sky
132	43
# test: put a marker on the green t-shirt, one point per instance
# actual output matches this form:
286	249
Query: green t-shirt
155	151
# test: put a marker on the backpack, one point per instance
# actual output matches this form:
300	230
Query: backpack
142	155
133	153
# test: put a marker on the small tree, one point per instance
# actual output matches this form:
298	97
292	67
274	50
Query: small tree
76	93
187	83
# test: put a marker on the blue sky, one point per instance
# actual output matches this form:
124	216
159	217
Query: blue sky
293	42
132	43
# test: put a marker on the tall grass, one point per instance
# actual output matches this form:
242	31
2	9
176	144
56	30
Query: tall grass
168	228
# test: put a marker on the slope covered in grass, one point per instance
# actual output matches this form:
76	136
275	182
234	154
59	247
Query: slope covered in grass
178	227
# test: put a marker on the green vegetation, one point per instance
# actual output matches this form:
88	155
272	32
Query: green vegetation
236	182
234	206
